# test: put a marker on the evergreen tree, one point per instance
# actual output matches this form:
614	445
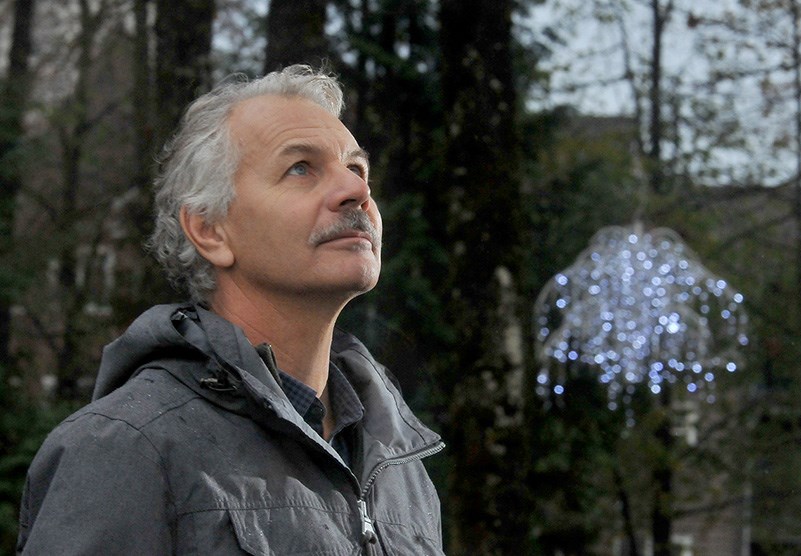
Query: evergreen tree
480	202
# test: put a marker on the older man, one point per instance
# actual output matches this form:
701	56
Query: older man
244	422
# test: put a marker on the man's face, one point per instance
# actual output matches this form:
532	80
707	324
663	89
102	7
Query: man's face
302	221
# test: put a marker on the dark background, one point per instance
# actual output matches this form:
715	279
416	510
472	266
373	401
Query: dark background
489	184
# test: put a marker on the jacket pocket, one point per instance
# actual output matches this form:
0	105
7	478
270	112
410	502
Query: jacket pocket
293	531
401	540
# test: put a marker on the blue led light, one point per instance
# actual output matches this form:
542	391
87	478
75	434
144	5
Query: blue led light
642	308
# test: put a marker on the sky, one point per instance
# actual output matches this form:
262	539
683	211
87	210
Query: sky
587	66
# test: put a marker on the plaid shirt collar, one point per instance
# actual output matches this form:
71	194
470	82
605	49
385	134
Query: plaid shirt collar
345	403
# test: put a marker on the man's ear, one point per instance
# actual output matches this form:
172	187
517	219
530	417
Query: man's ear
209	239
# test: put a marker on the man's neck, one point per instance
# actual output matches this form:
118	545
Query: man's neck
299	333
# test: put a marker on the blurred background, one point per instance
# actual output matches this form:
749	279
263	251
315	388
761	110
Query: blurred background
592	275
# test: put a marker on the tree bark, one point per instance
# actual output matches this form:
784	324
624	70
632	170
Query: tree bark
795	14
662	477
482	200
295	33
142	97
72	135
12	109
183	58
655	121
625	511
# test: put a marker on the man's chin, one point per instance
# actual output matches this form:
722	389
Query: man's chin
362	286
342	288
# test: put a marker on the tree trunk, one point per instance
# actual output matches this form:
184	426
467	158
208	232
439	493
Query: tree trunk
795	14
72	137
183	52
662	476
12	108
488	506
141	97
625	511
655	130
295	33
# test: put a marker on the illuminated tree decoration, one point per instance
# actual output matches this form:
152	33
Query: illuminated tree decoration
640	307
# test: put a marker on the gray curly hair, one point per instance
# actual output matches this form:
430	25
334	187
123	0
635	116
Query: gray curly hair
197	167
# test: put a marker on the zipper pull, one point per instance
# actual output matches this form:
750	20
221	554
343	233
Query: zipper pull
368	531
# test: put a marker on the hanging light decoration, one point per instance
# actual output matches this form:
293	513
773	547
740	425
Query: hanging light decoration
641	308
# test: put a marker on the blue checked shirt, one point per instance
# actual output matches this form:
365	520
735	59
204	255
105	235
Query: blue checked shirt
345	404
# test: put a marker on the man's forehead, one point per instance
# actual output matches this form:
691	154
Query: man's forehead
288	123
288	110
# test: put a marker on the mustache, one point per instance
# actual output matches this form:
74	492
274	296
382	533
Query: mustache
350	220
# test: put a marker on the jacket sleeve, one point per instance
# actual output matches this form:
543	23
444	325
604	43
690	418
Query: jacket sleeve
96	486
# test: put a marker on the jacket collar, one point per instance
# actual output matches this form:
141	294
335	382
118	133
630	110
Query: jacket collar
391	429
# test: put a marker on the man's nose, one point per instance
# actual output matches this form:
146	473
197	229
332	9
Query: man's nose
349	190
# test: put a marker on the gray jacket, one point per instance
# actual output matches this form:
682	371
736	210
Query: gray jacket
191	447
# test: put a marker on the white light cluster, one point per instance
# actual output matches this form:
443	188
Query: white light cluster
641	308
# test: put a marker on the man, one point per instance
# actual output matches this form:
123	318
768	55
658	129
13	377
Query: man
244	422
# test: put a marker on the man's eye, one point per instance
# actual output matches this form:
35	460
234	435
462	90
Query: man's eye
298	169
359	170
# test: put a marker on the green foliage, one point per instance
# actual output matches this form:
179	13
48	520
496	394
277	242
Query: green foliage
574	439
742	234
578	179
24	423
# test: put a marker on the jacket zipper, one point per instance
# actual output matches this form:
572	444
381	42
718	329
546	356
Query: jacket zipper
369	536
368	530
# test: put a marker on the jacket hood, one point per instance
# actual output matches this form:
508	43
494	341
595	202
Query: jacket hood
163	332
186	334
150	337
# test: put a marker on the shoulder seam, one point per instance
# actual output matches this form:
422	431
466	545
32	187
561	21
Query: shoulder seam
160	458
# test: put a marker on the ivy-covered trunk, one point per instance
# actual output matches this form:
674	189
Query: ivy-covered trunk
481	182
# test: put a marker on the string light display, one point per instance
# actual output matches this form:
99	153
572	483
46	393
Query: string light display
641	308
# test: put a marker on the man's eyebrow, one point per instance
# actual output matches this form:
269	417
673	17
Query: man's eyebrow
358	153
299	148
310	149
